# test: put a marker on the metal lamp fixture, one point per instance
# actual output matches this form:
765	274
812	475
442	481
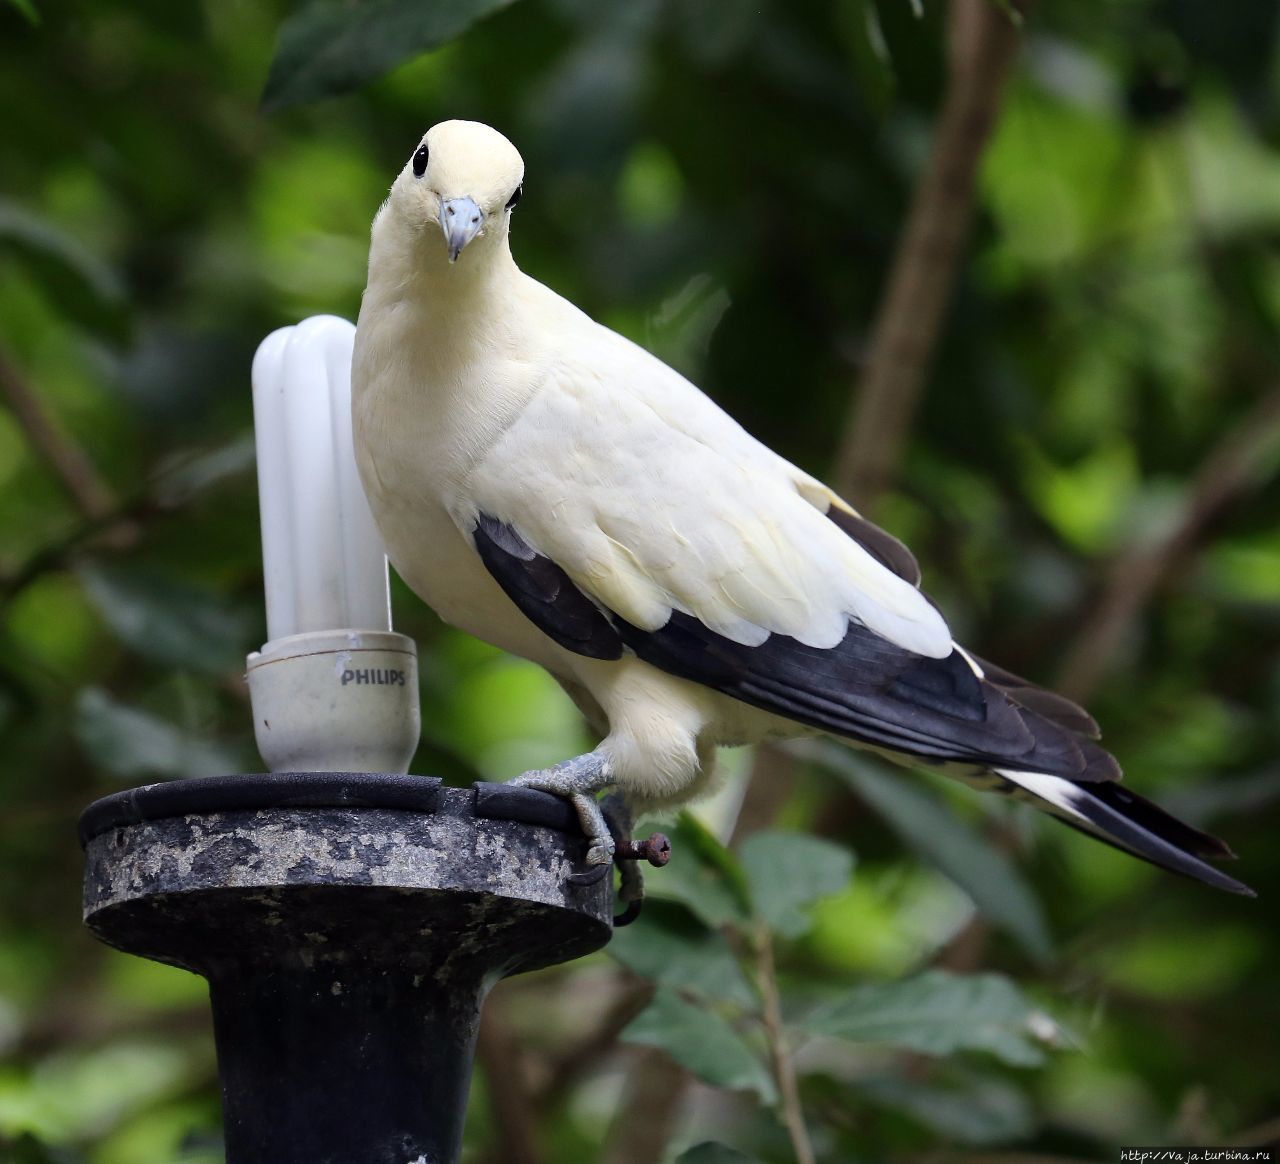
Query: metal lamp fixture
349	918
334	689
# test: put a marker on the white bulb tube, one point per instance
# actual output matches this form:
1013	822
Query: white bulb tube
334	689
322	558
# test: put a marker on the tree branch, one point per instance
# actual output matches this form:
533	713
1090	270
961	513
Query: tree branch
582	1057
118	529
647	1111
515	1141
68	462
1233	467
982	43
784	1069
634	1133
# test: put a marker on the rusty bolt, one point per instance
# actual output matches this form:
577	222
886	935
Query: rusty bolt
656	850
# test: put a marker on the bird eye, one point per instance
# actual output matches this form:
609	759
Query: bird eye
420	161
511	202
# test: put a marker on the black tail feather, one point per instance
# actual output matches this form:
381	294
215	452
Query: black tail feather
1127	821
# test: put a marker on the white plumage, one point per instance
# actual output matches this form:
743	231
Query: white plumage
552	488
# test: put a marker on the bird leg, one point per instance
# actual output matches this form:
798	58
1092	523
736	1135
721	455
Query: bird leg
617	812
578	780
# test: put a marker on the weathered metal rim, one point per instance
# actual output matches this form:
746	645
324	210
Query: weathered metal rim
425	794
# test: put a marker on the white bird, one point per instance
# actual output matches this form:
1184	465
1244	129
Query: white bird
552	488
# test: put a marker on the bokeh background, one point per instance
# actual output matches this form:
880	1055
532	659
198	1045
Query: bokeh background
1063	390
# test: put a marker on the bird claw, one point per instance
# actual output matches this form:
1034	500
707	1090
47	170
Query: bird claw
578	780
607	827
593	876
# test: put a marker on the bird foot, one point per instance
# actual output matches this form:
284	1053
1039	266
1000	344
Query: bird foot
578	780
618	815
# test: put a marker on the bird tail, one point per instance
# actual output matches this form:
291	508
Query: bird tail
1121	818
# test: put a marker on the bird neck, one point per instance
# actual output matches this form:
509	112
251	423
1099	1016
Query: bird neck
445	322
418	270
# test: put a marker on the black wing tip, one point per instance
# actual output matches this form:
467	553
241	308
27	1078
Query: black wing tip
543	592
1240	889
1137	826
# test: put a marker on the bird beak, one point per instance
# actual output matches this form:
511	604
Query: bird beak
461	220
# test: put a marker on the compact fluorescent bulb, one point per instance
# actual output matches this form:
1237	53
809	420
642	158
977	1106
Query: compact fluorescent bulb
334	688
322	559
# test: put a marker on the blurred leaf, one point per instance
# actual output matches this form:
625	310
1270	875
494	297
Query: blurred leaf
72	1095
704	875
1085	501
26	1149
189	474
702	1042
329	48
1151	965
975	1110
132	743
914	37
28	10
788	872
83	289
167	619
860	32
939	1013
1236	796
672	948
973	863
713	34
1010	10
711	1153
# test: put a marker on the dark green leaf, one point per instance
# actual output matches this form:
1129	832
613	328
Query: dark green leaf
939	1013
975	1110
329	48
168	619
788	872
135	744
701	1041
26	1149
83	288
1010	10
923	822
672	948
28	10
859	28
190	474
712	1153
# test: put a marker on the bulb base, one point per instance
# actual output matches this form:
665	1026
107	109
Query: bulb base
336	701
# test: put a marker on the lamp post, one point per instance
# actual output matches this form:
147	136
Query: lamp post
349	917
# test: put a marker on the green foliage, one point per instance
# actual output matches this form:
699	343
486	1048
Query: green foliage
329	47
787	873
86	291
937	1013
724	183
708	1021
161	617
978	867
971	1109
133	743
710	1153
701	1042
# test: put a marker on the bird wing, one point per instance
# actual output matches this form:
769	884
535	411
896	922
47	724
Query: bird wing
623	511
653	500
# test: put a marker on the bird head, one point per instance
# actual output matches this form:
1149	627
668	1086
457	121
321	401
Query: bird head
462	181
